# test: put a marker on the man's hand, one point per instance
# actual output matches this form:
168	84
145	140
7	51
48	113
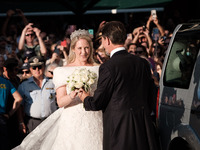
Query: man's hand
19	12
137	31
102	24
22	128
6	116
28	27
37	31
82	94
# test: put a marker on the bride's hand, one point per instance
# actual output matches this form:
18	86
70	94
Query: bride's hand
82	94
73	94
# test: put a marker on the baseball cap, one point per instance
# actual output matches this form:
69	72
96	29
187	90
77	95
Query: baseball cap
25	66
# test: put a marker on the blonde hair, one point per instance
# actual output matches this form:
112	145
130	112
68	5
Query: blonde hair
72	56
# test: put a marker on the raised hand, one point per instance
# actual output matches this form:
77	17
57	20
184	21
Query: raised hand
37	31
19	12
10	12
28	27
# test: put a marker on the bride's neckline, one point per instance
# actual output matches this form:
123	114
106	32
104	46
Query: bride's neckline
79	66
90	65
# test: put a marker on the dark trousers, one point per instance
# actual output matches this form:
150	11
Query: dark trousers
32	123
15	135
4	139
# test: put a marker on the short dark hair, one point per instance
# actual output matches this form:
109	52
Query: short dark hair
11	63
115	31
131	44
143	48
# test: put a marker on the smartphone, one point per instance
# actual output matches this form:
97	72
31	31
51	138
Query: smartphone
47	38
63	43
155	33
91	31
163	38
129	35
153	13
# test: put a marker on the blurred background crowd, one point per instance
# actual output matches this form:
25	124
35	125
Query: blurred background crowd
23	38
49	37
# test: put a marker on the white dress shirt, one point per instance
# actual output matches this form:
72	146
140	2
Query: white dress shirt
116	50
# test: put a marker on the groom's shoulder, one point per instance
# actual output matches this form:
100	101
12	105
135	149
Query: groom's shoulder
123	56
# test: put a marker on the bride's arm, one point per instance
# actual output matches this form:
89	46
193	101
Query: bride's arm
64	99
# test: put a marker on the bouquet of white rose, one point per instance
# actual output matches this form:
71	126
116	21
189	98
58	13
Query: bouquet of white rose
81	78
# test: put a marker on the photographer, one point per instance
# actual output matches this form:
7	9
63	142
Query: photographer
141	36
26	41
59	56
153	23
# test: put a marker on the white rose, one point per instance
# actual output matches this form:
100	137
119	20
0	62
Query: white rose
81	78
84	78
77	78
85	72
71	84
70	77
91	81
93	75
78	85
76	72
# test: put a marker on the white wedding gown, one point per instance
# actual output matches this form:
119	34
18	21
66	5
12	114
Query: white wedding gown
70	128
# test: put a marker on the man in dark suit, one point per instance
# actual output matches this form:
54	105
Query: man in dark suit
124	94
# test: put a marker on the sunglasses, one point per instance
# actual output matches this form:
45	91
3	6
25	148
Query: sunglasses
26	72
39	67
138	52
30	34
131	52
51	72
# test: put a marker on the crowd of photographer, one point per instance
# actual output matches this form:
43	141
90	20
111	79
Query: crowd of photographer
34	49
150	41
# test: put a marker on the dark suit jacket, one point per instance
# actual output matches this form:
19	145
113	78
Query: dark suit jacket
124	94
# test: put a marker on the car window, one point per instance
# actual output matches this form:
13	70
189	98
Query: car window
182	57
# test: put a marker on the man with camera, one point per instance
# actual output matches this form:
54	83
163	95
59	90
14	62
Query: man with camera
27	42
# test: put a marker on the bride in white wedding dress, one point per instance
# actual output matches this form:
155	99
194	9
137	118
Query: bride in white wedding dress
70	127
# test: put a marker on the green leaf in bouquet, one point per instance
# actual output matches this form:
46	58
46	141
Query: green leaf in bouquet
86	87
73	88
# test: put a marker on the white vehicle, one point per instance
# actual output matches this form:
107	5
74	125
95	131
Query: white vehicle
179	92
